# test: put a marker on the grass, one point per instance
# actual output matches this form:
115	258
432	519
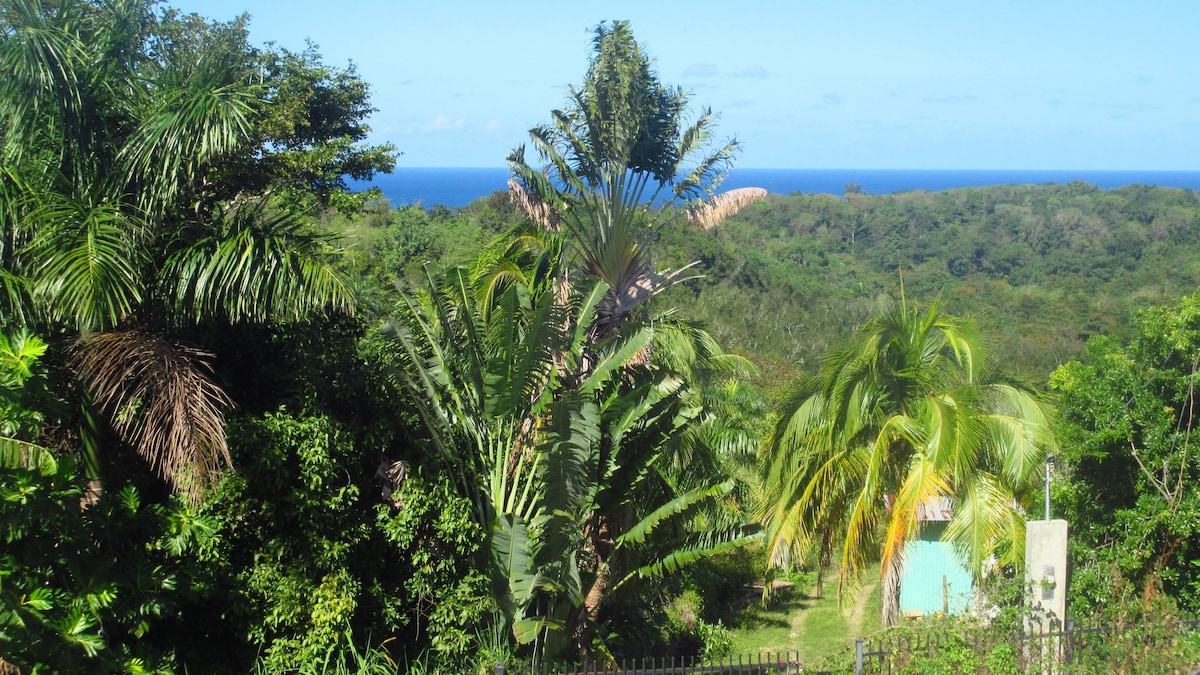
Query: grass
799	619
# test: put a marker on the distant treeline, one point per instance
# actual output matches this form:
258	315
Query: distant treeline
1041	267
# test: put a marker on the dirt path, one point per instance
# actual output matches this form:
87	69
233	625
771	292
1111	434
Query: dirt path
854	619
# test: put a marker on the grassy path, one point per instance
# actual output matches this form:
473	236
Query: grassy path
806	621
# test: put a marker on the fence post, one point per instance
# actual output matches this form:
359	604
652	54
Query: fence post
1069	646
858	656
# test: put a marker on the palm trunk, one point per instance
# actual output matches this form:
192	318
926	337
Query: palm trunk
891	595
595	596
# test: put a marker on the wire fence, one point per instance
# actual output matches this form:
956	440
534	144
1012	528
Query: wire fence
1153	644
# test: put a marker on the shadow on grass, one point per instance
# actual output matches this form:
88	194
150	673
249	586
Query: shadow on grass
816	626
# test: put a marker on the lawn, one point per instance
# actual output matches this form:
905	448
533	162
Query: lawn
798	618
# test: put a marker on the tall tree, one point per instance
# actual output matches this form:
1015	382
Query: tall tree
551	436
127	213
614	159
617	162
1128	415
911	413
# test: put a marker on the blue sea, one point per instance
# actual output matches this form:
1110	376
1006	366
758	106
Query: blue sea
459	187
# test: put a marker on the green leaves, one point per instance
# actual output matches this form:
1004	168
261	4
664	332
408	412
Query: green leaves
1126	477
254	265
80	588
90	262
911	414
555	435
17	454
608	156
137	172
18	353
195	117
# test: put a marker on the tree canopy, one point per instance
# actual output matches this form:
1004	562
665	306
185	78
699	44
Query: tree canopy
152	170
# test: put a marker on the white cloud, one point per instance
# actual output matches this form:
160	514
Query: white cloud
494	125
752	71
443	123
962	98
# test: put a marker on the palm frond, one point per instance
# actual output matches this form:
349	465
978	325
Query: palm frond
161	399
984	514
41	57
90	262
712	211
695	548
199	115
679	505
18	454
254	266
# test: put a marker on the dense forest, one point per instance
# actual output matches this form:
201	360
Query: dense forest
1043	268
251	421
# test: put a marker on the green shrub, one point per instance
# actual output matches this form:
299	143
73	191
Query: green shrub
82	589
309	554
718	640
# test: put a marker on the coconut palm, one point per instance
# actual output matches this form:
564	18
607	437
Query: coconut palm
912	412
112	142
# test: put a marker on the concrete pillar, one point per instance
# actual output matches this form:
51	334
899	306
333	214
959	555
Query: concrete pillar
1046	572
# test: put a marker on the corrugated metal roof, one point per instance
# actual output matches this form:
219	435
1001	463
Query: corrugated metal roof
936	509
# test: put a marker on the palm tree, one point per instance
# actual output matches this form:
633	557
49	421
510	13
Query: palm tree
556	440
912	412
112	141
614	159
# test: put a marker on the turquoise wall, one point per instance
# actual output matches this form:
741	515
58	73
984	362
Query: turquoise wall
926	562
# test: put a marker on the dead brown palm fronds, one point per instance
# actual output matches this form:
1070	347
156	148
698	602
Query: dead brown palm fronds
161	399
533	206
709	213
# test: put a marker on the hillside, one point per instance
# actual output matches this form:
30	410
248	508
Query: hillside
1042	268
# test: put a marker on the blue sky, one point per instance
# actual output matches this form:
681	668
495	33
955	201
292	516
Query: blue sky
1054	84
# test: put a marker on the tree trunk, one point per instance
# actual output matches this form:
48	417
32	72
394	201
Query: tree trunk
595	595
891	595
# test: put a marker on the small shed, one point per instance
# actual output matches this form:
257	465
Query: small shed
935	580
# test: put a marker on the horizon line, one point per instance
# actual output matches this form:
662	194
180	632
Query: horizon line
800	168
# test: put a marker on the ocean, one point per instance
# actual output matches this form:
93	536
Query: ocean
459	187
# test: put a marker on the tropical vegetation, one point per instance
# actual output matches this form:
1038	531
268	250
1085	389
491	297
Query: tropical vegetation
908	417
576	420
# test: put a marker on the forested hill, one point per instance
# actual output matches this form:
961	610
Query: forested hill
1041	267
